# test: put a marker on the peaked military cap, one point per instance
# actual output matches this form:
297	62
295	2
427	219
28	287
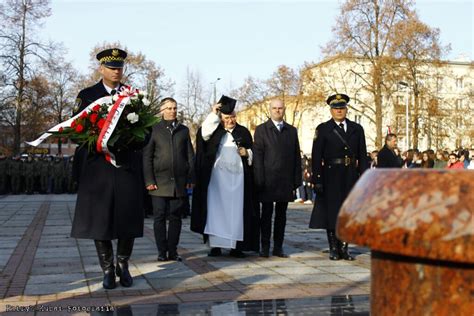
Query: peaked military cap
338	100
227	104
112	57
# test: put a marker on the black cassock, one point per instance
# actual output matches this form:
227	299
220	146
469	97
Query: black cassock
109	200
206	152
337	179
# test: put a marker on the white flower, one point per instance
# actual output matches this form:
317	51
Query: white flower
146	102
132	117
134	97
115	97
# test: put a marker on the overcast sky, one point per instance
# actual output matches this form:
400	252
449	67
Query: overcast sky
226	39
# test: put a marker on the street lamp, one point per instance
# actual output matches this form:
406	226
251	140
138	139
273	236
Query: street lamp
407	131
214	88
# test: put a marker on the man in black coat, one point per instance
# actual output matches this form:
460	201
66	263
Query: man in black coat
386	157
224	207
168	160
277	170
339	157
109	200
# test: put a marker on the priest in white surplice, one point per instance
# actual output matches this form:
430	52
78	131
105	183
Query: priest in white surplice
224	205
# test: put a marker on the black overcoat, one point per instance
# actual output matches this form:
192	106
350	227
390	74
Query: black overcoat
337	179
109	201
277	162
168	160
206	152
386	158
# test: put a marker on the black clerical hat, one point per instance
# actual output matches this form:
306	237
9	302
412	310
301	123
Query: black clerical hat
227	104
338	100
112	58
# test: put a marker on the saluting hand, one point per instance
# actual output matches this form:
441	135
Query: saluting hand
216	107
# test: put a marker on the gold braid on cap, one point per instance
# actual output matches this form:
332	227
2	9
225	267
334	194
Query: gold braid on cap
336	100
110	58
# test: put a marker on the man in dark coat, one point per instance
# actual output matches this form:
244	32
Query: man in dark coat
339	158
168	170
386	157
224	184
109	200
277	170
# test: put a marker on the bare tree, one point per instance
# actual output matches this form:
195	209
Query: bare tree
193	104
62	81
363	29
20	49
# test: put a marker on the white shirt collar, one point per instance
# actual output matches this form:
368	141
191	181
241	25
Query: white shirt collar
276	123
343	122
110	89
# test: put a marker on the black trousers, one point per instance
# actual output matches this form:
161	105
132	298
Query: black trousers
279	224
170	208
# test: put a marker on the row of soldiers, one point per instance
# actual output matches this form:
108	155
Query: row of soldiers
42	174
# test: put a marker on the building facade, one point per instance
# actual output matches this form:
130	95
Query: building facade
439	109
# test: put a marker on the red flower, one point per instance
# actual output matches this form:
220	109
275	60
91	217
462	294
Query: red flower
73	124
61	130
79	128
93	117
101	123
84	114
96	108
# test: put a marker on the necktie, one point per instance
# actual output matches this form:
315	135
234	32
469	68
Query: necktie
113	92
341	125
279	126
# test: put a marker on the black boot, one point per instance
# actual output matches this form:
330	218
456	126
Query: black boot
105	253
333	249
344	251
124	251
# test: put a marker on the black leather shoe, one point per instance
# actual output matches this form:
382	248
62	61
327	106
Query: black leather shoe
280	253
333	246
162	257
109	279
334	254
126	279
344	251
265	253
215	252
236	253
175	257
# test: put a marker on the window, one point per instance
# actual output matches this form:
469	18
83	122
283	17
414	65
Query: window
459	83
400	122
358	118
439	84
458	122
400	99
458	104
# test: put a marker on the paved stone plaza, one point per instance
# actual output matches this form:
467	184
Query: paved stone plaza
41	265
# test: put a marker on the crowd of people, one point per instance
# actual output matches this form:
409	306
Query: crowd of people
30	174
391	157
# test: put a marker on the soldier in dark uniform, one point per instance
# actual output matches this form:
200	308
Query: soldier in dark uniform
71	185
44	173
29	174
58	173
339	157
15	167
109	199
3	174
